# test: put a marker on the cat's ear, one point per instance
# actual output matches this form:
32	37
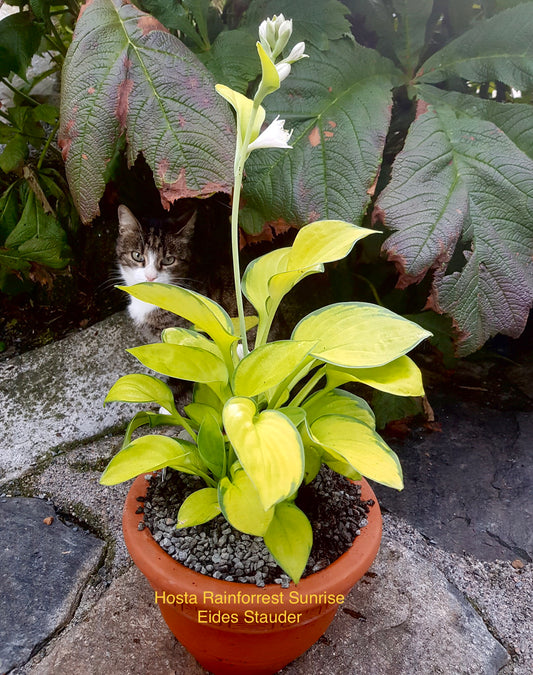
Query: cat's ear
126	220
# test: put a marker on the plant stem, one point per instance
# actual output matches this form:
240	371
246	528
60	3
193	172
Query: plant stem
308	388
8	84
240	159
47	145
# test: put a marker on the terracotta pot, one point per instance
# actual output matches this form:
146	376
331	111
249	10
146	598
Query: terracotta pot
246	633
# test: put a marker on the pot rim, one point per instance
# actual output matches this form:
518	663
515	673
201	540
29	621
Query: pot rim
164	572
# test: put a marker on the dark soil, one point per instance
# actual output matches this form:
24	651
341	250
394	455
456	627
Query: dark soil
332	504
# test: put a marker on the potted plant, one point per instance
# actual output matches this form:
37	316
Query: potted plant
259	426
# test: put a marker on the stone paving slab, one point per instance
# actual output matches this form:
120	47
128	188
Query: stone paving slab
54	395
468	488
401	619
43	568
71	481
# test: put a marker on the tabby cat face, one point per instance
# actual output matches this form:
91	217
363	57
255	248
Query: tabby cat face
156	252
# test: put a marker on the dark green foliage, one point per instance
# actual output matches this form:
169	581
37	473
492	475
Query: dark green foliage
35	206
454	188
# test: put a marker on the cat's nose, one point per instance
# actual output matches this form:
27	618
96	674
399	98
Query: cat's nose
150	277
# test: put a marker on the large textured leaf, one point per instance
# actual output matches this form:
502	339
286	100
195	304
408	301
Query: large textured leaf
500	48
399	25
338	104
126	75
461	183
233	59
20	35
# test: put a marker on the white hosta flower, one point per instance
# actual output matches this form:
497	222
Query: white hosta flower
274	34
297	53
283	70
274	136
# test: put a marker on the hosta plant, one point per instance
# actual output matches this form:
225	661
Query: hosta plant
259	423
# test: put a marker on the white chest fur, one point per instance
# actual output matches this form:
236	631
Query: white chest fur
139	310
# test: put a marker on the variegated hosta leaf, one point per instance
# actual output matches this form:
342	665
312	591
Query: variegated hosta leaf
269	449
241	504
358	334
289	538
204	313
148	453
211	446
401	377
141	388
198	411
256	282
268	365
190	338
199	507
126	77
269	278
338	402
361	447
182	362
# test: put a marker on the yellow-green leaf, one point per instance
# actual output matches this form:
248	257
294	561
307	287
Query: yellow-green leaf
249	323
198	411
211	446
182	362
142	389
241	505
145	454
270	76
243	108
339	402
268	446
358	334
199	507
199	310
289	538
268	365
258	274
190	338
324	241
401	377
313	462
361	447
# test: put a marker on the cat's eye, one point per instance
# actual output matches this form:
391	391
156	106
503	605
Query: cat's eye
168	260
137	256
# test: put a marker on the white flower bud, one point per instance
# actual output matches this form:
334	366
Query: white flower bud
274	34
283	70
297	53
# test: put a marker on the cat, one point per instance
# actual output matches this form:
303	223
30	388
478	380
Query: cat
159	252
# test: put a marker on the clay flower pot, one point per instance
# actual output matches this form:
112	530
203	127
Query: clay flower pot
238	629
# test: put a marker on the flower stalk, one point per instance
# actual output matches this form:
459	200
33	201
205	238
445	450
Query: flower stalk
274	35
